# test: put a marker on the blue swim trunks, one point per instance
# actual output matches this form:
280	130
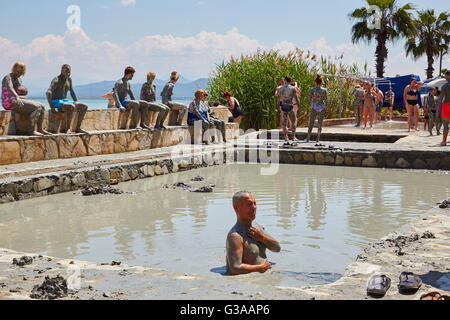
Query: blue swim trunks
58	103
124	104
378	108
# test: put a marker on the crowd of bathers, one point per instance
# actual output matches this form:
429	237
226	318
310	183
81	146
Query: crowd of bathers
14	97
369	103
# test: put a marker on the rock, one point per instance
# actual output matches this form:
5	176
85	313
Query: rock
205	189
43	184
116	263
102	189
51	289
198	178
428	235
369	162
23	261
402	163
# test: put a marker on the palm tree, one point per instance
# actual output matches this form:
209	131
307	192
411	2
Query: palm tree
394	22
432	37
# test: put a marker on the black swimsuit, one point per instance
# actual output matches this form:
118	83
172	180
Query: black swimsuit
237	111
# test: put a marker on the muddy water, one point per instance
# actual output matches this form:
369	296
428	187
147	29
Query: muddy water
322	216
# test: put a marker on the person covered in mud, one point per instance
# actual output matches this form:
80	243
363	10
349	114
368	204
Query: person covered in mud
139	108
58	102
148	93
318	96
216	122
444	101
287	94
167	94
14	98
358	104
247	241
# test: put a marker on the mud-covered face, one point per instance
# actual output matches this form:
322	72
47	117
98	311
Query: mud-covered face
66	71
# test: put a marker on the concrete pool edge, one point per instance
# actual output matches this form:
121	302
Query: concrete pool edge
426	254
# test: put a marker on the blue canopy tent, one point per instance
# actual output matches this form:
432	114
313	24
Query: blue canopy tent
398	85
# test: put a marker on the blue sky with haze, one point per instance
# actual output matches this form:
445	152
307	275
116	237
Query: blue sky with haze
187	35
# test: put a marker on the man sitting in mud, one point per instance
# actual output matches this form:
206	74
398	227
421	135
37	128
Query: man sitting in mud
247	241
57	99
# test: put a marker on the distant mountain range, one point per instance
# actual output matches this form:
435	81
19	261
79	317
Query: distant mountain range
183	89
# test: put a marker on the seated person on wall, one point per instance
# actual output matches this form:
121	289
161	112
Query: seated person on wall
247	241
138	108
218	124
148	93
57	99
234	108
198	112
110	97
167	94
14	98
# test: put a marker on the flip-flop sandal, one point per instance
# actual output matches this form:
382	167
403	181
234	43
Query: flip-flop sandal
319	145
378	285
431	296
286	143
409	282
294	144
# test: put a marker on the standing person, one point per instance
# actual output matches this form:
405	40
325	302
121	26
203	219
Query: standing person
58	102
282	83
247	242
12	100
369	104
234	107
358	104
434	113
288	94
319	98
139	108
411	96
167	98
110	97
296	106
198	112
218	124
426	115
439	111
389	99
379	104
148	93
444	101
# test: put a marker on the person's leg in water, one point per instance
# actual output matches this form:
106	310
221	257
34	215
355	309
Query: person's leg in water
81	109
312	119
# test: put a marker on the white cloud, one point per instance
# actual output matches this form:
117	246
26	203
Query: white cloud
101	60
284	47
201	3
127	3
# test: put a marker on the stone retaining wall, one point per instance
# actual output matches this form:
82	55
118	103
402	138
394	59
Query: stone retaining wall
95	120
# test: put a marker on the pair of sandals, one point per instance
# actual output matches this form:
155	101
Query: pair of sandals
379	284
290	144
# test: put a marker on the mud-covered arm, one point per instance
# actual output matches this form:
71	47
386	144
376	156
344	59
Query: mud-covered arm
259	234
142	95
10	87
72	92
130	93
50	90
116	95
235	250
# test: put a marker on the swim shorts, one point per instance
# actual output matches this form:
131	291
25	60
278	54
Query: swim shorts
446	110
378	109
58	103
287	107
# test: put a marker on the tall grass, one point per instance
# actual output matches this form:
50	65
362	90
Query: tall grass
253	79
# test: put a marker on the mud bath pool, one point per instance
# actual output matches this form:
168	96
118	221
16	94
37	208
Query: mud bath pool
323	217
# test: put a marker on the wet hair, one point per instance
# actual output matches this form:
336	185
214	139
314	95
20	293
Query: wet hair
239	195
174	75
288	79
216	104
151	75
319	80
129	70
17	65
227	94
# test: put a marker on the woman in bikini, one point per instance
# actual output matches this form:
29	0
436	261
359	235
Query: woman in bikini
369	104
234	108
411	97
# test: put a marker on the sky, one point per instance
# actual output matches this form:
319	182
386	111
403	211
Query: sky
190	36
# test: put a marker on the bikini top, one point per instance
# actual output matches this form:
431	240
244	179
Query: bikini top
413	93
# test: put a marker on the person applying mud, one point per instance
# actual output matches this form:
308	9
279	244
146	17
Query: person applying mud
247	241
287	94
319	98
58	102
358	104
444	101
138	108
148	93
166	95
12	100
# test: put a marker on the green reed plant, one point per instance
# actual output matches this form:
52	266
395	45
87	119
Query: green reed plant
253	79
